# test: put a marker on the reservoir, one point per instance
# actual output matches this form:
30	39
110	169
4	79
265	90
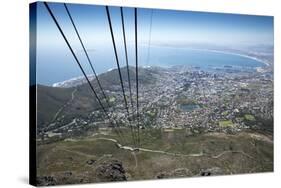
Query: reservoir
189	107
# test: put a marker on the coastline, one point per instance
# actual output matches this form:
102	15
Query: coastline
232	53
74	79
79	78
218	51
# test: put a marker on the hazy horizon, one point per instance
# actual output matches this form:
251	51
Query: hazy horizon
168	27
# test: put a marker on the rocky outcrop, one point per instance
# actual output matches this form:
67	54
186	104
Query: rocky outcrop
177	173
211	171
45	181
111	171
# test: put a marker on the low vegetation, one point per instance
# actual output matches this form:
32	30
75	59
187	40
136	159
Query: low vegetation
80	159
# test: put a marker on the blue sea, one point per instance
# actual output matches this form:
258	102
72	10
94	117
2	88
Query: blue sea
56	66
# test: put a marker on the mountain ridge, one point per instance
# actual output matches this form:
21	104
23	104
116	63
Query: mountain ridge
52	99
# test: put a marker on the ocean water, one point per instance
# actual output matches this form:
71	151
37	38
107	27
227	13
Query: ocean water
56	66
199	58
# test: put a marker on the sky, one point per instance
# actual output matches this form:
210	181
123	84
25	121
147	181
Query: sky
168	27
174	26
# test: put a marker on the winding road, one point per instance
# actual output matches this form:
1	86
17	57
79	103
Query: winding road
134	151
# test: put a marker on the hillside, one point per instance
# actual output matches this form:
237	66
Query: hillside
49	100
54	100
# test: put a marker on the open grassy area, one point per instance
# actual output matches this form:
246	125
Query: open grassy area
249	117
112	99
226	123
231	154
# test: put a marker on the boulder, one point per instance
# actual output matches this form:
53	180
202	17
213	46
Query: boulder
111	171
91	161
45	181
211	171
